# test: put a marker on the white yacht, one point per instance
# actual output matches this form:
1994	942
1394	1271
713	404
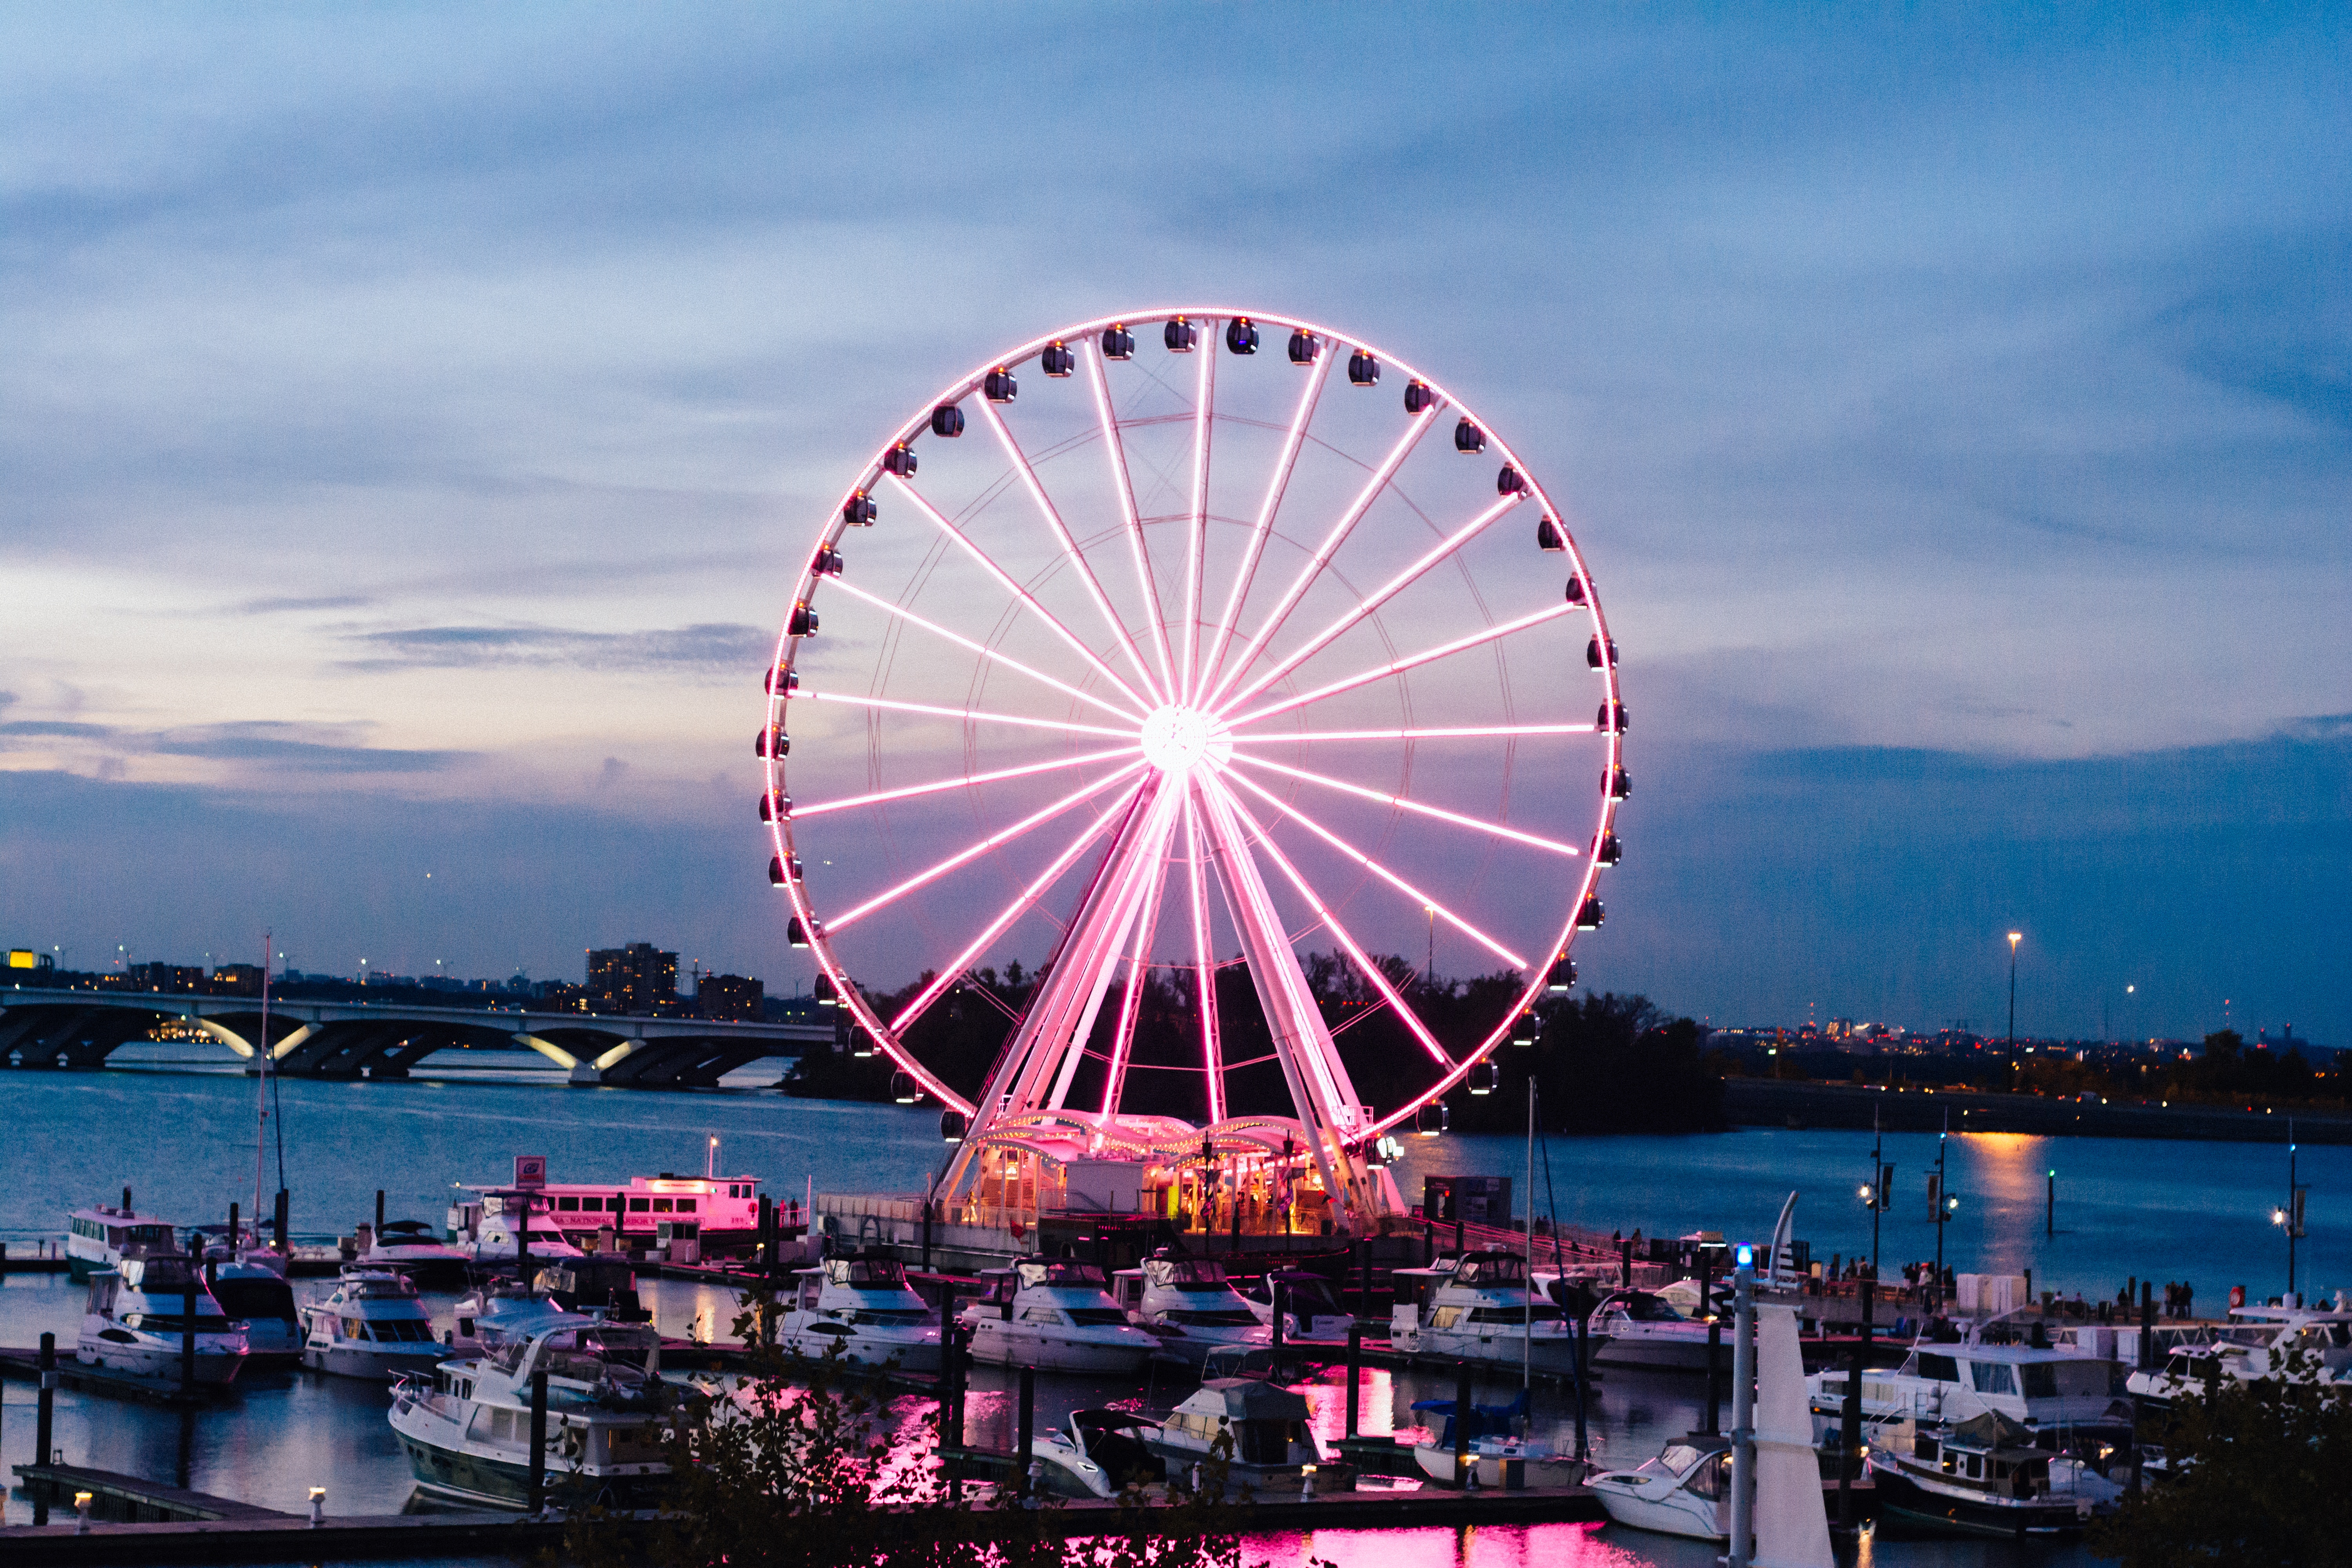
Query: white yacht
495	1240
1099	1454
1055	1316
1274	1442
1642	1329
466	1426
372	1326
864	1305
502	1314
410	1246
2044	1391
2306	1344
1685	1490
135	1321
1310	1308
1493	1442
254	1296
1189	1301
1478	1308
102	1238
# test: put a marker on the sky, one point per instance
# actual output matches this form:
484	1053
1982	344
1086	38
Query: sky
413	419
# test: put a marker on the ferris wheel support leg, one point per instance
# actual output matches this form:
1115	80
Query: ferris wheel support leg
1137	879
1302	1042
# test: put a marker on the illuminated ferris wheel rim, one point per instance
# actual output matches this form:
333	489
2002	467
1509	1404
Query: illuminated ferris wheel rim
1168	734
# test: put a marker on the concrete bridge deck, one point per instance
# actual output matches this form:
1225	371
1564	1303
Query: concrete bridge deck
78	1030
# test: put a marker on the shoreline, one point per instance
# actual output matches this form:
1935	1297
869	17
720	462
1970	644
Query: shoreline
1764	1102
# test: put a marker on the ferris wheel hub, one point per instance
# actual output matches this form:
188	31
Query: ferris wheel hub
1176	739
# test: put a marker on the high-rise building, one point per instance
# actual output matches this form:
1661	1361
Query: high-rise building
637	979
731	997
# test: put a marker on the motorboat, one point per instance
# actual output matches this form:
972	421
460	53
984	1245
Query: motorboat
504	1224
1099	1454
371	1326
1484	1447
466	1424
410	1246
1985	1475
2301	1344
135	1320
1478	1307
724	1209
102	1238
1311	1308
1685	1491
502	1314
1190	1302
1643	1329
2043	1390
864	1306
1055	1316
604	1283
256	1299
1272	1445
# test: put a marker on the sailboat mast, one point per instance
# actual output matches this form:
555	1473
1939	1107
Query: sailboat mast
261	1081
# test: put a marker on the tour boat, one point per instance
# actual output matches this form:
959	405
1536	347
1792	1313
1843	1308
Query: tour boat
2047	1391
135	1321
102	1238
726	1207
410	1246
1685	1491
1985	1476
1273	1445
864	1305
372	1326
1641	1328
1055	1316
256	1299
466	1426
1189	1301
1310	1310
1478	1308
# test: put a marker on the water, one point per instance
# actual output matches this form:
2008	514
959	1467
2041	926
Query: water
183	1142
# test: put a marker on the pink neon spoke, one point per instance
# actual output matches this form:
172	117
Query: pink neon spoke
1060	533
1002	836
1125	485
1331	542
1013	911
841	586
1204	413
1459	731
1077	644
1399	667
936	786
975	715
1284	466
1371	971
1205	972
1382	872
1374	601
1402	804
1147	924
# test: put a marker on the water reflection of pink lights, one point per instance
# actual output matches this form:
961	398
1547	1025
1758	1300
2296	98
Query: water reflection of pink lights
1484	1546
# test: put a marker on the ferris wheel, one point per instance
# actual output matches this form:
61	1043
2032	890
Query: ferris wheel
1236	677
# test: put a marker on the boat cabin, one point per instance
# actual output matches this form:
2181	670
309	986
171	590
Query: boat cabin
1268	1422
633	1212
102	1238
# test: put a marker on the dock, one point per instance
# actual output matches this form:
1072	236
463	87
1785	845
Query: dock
25	1366
131	1500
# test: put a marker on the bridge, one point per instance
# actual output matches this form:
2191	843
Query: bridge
79	1029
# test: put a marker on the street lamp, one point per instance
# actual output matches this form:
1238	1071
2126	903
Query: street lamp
2014	937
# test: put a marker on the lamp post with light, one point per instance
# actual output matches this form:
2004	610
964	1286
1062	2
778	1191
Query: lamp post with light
2014	937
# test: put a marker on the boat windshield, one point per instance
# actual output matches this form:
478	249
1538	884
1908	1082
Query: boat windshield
870	1272
1647	1308
1061	1274
1492	1269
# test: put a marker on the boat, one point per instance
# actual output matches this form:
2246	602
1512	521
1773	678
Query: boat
257	1299
864	1306
371	1326
466	1424
1478	1307
1273	1443
502	1314
604	1283
504	1224
98	1238
1055	1316
1643	1329
1493	1445
1985	1476
2306	1344
1310	1308
726	1208
135	1321
1099	1454
1189	1303
1685	1491
410	1246
2045	1391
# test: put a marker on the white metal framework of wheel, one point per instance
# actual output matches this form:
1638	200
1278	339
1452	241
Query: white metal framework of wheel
1236	670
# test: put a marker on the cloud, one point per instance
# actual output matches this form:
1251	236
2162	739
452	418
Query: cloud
327	602
707	647
286	748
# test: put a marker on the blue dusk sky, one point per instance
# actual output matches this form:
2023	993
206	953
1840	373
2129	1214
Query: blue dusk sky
413	418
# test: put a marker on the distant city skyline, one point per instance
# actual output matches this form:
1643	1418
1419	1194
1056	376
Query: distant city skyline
415	419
